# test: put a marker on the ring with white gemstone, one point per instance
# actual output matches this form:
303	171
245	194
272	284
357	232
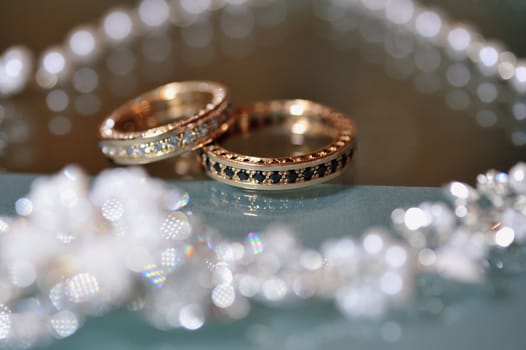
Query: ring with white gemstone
168	121
322	143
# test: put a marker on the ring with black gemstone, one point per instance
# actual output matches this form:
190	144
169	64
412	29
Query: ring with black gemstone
281	161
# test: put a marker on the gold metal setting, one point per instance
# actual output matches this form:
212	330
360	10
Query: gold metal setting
280	173
166	122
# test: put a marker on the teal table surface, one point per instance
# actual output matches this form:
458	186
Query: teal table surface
488	316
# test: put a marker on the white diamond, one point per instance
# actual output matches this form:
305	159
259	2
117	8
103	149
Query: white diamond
146	148
173	141
109	151
121	152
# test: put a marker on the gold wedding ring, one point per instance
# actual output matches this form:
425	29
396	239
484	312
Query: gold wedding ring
168	121
298	119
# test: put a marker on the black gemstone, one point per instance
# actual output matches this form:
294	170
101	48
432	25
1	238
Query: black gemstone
344	160
351	153
207	163
307	174
259	176
275	177
292	176
229	172
334	165
321	170
242	174
217	167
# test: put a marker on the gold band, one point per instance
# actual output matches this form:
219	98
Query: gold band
300	117
168	121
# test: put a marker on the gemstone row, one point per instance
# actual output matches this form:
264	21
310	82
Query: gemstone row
166	145
344	142
278	177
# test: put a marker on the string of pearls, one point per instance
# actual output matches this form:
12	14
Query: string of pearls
477	75
460	40
76	251
19	68
86	42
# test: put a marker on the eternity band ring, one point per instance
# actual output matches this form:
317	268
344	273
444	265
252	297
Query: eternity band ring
165	122
285	160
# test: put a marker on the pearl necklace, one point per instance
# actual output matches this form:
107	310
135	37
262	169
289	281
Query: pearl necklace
84	44
76	251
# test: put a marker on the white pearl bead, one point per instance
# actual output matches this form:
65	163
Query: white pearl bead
506	66
488	58
428	24
154	13
458	74
487	92
399	11
54	65
118	26
458	41
85	80
519	77
57	100
517	178
83	44
519	109
16	66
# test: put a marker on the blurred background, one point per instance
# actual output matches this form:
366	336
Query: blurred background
416	126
